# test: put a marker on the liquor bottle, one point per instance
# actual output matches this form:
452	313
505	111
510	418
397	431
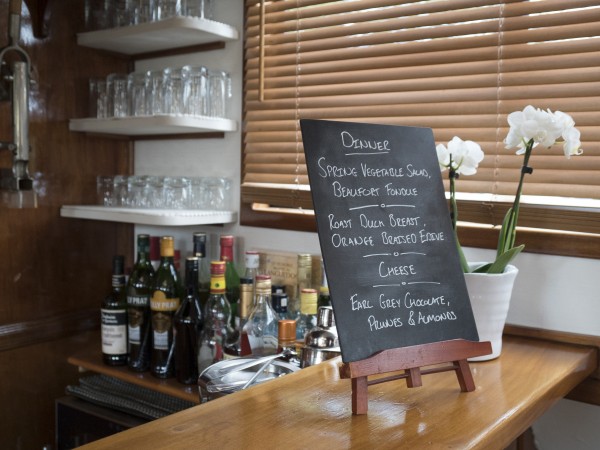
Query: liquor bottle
217	331
252	262
232	278
308	313
114	318
234	349
139	291
163	304
188	327
199	241
286	338
259	335
324	297
279	301
303	281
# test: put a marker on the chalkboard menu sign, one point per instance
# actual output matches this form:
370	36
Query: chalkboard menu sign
386	237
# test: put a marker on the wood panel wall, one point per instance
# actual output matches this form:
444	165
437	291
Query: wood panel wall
54	271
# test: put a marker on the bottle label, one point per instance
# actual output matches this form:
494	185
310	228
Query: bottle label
217	284
161	340
134	334
138	300
114	331
160	302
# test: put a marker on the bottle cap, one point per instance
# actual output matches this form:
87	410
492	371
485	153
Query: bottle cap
143	243
167	246
252	259
278	288
118	265
199	241
308	301
263	284
286	330
226	240
217	268
304	259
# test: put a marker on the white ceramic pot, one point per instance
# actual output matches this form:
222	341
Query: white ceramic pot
490	298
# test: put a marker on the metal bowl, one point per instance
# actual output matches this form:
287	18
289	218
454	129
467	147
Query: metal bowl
229	376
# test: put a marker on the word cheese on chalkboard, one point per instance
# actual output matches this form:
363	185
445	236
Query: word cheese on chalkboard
386	237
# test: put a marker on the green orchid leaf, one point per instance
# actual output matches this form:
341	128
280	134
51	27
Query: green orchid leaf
501	262
482	269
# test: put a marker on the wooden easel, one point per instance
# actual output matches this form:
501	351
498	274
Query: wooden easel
411	360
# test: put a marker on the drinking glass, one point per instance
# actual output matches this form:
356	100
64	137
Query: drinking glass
154	192
120	190
136	93
197	193
217	193
176	89
177	192
155	92
104	190
219	83
116	86
97	101
198	8
197	101
167	8
143	11
136	191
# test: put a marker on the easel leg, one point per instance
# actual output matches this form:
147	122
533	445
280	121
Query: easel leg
414	377
464	375
360	395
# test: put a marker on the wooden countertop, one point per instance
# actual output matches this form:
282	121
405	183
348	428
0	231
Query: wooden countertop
312	408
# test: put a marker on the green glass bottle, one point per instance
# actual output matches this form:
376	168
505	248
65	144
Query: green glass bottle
113	318
139	291
199	241
163	305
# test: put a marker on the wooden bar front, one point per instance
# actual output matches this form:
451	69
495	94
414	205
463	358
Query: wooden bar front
312	408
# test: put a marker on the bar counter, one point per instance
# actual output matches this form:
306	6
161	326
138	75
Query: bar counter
312	408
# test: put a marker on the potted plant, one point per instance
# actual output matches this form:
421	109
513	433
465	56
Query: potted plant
490	284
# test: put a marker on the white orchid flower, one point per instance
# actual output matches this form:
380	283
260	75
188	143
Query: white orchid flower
544	128
465	156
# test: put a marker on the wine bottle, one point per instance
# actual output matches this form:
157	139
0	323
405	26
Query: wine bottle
113	318
163	304
234	349
308	313
199	241
139	291
260	331
303	281
188	326
232	278
217	331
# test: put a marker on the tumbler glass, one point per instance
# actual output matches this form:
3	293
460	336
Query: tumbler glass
219	83
217	193
136	191
116	86
154	193
120	190
155	92
198	8
197	101
136	93
104	190
164	9
143	11
176	89
97	100
177	192
197	193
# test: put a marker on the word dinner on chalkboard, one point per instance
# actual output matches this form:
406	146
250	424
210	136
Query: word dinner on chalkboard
386	237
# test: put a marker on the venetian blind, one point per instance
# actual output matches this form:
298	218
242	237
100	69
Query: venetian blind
457	66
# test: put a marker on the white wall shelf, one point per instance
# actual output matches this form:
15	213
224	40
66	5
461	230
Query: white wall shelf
152	125
175	32
158	217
